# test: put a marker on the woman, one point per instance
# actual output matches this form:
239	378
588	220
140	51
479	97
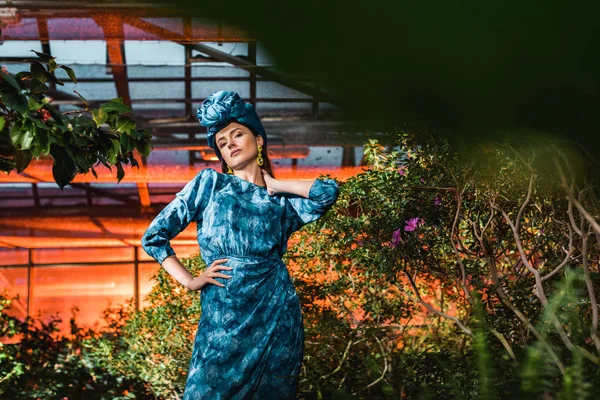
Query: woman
250	338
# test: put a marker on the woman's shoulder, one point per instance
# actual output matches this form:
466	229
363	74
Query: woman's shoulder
211	177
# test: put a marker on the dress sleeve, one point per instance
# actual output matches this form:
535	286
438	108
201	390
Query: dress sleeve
187	206
301	211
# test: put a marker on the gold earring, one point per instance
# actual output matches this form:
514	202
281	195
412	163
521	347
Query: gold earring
259	159
229	170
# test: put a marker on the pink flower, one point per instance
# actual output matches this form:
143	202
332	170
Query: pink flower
396	238
438	200
45	114
412	224
402	170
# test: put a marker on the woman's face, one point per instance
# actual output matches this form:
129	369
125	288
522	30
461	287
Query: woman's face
238	145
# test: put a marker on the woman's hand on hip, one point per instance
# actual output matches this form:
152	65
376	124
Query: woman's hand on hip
209	275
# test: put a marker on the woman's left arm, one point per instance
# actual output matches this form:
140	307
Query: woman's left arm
297	187
311	201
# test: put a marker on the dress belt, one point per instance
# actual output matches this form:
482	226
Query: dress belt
257	258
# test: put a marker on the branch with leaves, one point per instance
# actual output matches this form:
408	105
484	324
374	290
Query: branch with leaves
78	141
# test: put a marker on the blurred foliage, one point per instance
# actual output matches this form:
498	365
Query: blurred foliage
428	278
30	126
37	362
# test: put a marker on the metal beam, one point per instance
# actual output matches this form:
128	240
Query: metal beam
238	62
116	59
144	194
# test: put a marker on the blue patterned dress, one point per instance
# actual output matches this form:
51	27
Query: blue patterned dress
250	338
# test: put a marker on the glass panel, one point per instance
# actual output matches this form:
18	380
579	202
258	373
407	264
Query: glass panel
203	89
182	251
21	48
79	52
16	203
86	71
147	270
169	157
276	109
90	288
13	256
322	156
204	70
157	90
153	52
105	254
14	281
272	89
171	24
152	71
73	28
91	90
17	67
232	48
158	110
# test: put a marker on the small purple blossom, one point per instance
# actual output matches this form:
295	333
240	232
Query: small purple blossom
402	170
412	224
438	200
396	238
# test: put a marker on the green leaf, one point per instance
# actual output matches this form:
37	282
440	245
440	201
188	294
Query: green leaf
83	122
41	143
22	134
7	148
136	134
142	147
115	105
51	77
11	81
44	56
69	72
52	65
38	71
99	116
63	169
94	172
120	172
38	87
125	124
34	105
2	122
57	115
82	162
22	160
126	142
112	153
14	101
23	75
6	164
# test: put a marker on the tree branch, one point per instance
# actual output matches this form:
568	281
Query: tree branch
434	310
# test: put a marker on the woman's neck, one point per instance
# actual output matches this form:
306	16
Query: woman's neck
252	174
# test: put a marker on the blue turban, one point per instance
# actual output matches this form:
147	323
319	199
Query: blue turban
223	107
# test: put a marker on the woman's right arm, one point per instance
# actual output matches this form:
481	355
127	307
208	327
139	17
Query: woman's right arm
183	276
187	206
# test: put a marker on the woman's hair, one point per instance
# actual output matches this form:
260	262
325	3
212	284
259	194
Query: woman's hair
266	166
